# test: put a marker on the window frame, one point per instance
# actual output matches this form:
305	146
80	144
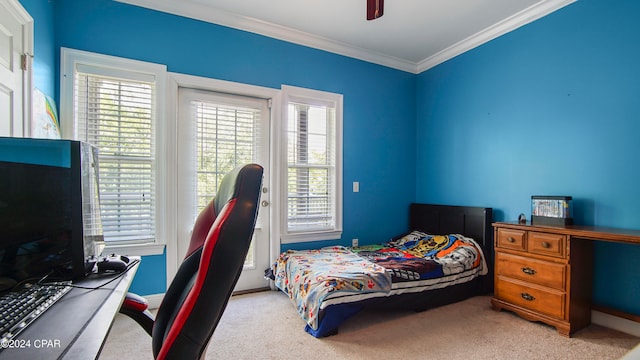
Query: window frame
310	97
124	68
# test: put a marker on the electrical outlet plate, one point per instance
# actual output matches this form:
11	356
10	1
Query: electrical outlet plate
354	242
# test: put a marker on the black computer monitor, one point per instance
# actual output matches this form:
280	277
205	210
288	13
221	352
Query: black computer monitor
49	214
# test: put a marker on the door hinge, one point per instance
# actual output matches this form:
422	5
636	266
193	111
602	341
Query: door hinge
23	61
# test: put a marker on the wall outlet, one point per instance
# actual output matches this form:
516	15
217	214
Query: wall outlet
354	242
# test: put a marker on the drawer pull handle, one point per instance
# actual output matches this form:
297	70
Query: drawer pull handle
511	240
527	297
528	271
545	245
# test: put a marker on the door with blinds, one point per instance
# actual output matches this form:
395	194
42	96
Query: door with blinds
216	133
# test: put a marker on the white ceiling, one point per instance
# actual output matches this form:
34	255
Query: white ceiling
413	35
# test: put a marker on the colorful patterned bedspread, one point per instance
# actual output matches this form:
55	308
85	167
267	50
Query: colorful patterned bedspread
309	276
420	256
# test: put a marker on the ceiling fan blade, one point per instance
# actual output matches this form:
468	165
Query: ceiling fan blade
375	9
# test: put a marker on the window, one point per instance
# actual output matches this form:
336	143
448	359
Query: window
114	105
226	133
312	191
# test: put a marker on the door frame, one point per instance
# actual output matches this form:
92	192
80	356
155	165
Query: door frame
177	80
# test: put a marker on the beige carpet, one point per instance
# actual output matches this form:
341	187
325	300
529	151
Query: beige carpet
265	326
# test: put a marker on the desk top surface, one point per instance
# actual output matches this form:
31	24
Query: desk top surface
76	326
629	236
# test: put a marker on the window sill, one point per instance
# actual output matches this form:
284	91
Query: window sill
134	249
311	236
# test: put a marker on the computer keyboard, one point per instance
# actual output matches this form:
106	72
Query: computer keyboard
19	308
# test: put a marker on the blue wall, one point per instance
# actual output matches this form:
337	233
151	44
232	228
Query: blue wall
550	109
45	68
374	97
38	152
547	109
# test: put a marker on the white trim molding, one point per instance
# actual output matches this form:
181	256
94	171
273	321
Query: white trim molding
615	322
199	11
208	14
135	249
524	17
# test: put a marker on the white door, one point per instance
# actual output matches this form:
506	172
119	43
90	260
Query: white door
217	132
15	40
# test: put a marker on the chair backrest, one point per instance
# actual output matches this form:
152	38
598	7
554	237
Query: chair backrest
198	295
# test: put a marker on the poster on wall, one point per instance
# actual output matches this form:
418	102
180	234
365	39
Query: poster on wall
44	122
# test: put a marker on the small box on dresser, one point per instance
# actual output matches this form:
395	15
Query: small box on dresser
551	210
544	275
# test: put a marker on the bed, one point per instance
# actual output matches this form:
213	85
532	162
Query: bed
445	257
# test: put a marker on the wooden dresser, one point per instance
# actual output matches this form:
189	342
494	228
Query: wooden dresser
543	274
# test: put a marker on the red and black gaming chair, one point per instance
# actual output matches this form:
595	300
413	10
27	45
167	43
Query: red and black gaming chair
198	295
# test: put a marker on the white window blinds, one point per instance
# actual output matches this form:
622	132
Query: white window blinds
310	163
116	115
227	136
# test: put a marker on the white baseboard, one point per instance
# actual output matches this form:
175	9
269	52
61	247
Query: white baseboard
634	354
154	300
615	323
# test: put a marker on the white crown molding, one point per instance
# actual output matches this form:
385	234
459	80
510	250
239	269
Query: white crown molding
524	17
205	13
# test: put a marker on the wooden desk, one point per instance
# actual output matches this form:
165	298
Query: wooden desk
544	273
76	326
582	232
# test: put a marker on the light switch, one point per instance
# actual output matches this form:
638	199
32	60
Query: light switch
356	186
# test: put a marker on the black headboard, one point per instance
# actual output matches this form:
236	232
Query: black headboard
473	222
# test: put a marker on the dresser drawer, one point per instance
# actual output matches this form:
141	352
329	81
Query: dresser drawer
511	239
548	302
547	244
531	270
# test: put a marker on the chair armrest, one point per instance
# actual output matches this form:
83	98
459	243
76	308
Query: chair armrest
137	308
